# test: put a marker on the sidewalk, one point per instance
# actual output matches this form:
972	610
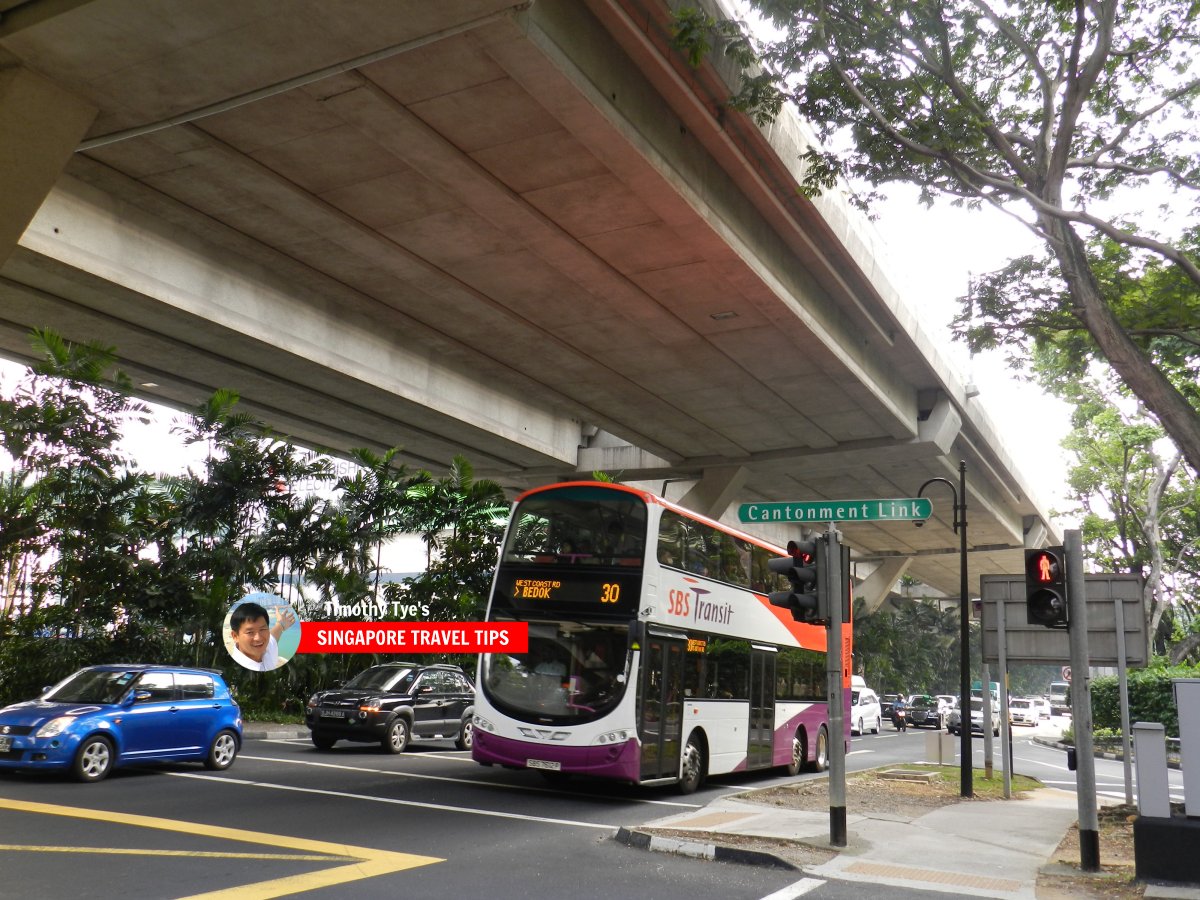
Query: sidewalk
972	847
978	848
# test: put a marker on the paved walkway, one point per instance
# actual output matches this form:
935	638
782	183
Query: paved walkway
974	848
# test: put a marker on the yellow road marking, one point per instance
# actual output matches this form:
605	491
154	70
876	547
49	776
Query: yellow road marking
132	851
366	862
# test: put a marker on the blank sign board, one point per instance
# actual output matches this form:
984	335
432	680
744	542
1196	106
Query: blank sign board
1027	643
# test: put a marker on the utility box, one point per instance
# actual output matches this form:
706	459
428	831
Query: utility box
939	748
1187	703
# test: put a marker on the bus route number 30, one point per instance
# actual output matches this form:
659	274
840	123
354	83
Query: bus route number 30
610	592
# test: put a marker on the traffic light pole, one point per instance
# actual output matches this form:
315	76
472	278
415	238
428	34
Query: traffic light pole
831	581
1081	705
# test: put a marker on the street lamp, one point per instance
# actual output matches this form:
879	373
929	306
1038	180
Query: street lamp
966	788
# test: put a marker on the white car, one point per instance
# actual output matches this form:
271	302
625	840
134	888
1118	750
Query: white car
1042	705
1022	711
864	711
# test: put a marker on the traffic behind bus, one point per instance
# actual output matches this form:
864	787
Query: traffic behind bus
654	655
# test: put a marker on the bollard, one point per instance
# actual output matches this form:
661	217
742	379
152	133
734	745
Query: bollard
1150	755
1187	703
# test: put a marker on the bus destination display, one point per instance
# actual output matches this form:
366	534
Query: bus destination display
597	593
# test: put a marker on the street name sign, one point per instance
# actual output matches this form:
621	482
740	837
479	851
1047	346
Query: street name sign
903	509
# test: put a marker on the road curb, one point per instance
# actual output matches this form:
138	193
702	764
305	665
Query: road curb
641	840
264	731
1098	754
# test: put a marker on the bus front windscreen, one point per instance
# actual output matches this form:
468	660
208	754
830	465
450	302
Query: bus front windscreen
578	526
572	673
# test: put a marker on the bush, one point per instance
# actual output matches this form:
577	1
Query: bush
1151	698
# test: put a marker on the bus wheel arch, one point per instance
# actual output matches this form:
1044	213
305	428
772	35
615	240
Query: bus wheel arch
693	763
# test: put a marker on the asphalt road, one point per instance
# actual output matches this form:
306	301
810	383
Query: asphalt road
356	822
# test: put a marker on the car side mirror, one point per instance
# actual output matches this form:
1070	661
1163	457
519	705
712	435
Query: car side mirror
141	696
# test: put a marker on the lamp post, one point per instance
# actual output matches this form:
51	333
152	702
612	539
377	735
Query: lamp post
966	788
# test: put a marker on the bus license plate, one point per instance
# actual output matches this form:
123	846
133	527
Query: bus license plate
333	714
544	764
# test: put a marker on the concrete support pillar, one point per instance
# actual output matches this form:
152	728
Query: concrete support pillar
40	127
715	490
875	589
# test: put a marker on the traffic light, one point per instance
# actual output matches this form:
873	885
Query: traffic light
802	570
1046	587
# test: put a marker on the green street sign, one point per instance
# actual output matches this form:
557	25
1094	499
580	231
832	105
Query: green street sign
903	509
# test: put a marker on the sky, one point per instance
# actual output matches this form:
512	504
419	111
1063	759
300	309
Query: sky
932	255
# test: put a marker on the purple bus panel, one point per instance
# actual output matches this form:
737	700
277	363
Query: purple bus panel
620	761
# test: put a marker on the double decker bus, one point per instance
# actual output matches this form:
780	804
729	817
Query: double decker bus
654	655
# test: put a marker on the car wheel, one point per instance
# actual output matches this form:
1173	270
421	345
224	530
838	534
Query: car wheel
691	768
878	726
94	760
223	751
395	739
820	761
323	741
798	750
466	734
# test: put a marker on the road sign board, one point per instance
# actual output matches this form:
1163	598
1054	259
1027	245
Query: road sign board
1027	643
901	509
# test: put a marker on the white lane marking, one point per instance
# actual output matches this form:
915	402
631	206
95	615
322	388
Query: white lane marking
465	810
795	889
474	782
856	752
463	756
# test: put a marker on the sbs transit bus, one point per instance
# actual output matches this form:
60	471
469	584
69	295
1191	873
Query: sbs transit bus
654	655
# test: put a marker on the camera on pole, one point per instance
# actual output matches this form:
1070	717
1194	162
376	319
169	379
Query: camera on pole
802	566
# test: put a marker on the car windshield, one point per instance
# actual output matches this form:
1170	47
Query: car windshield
854	697
92	686
382	678
1021	704
923	703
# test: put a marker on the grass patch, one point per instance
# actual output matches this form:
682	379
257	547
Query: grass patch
949	777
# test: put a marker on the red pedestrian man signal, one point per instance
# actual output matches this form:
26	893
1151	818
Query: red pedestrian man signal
1046	587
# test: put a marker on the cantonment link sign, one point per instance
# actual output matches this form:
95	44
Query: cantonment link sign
897	510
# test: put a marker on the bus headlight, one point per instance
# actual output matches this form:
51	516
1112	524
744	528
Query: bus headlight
481	722
615	737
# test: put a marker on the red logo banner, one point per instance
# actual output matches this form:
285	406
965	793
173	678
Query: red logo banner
414	637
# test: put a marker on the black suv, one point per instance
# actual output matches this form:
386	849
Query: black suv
393	703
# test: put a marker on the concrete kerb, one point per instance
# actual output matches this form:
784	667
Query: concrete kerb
1172	763
272	731
641	840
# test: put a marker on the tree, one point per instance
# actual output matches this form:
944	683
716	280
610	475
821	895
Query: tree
1044	111
461	520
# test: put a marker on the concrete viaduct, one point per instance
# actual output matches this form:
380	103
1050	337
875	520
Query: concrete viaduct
528	233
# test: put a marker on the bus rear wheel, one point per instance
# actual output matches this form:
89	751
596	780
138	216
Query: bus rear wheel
798	750
691	771
820	760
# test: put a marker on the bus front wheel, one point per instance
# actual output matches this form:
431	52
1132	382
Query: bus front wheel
820	761
691	770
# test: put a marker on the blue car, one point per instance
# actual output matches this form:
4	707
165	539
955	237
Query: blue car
116	715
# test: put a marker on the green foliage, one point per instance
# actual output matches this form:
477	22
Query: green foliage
1151	698
914	650
101	563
